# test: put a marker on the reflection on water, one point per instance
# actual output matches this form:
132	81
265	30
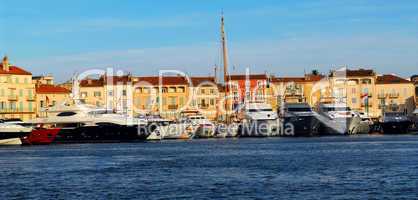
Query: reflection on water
286	168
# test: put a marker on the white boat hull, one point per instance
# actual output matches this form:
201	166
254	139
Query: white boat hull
11	141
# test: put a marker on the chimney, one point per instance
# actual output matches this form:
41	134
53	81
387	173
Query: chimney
5	64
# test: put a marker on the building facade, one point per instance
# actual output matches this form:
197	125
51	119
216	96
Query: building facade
17	92
394	94
48	95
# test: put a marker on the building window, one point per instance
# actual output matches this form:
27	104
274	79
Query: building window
53	103
97	94
12	106
20	93
26	80
354	100
2	105
353	90
42	104
110	93
171	89
212	102
212	91
181	101
30	93
365	90
21	106
366	81
84	94
172	100
30	107
124	92
16	80
181	89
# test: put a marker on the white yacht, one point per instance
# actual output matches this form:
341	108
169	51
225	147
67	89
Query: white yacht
259	120
337	119
10	133
86	124
200	125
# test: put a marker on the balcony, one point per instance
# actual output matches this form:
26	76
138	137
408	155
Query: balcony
381	96
364	105
203	106
173	107
393	95
12	98
30	98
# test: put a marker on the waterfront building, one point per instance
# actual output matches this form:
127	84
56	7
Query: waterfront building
92	91
165	96
295	89
394	94
43	80
205	97
414	79
49	95
242	89
356	88
17	92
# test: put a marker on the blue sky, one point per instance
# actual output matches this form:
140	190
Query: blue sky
282	37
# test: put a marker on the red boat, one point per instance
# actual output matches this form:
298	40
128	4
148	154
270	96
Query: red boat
41	136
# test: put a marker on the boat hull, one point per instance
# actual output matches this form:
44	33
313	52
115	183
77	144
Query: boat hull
400	127
10	141
301	126
41	136
101	134
259	128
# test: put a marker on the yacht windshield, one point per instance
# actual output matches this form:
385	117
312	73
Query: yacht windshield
64	114
328	109
260	110
307	109
394	114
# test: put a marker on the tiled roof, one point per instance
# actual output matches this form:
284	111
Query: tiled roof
251	76
352	73
48	89
118	79
92	83
166	80
307	78
390	79
14	70
202	80
288	79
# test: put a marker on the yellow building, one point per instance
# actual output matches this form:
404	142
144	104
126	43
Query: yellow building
17	92
295	89
394	94
205	96
92	92
48	95
356	88
166	99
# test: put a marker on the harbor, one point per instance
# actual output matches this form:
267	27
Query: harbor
234	100
378	166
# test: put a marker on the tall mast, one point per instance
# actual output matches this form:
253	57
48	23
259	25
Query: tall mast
225	65
224	49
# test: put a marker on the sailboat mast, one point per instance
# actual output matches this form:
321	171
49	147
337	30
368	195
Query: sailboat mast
224	50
